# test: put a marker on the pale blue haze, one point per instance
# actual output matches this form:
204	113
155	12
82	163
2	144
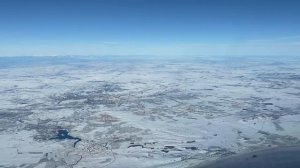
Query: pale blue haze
149	27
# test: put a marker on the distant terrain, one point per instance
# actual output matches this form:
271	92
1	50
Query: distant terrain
93	112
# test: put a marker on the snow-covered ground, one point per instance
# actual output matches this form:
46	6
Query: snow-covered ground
144	113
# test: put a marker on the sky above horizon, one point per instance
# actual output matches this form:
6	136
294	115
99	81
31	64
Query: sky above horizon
149	27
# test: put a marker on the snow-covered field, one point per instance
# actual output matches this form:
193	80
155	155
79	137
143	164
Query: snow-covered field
133	112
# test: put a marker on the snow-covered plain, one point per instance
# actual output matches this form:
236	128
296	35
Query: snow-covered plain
131	112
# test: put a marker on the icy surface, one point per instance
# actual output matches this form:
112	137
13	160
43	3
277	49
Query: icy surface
131	112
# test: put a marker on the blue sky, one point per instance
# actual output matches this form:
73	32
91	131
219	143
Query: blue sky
149	27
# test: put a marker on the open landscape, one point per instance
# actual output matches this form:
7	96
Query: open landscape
93	112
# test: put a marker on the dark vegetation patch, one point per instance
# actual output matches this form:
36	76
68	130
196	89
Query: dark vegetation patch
191	148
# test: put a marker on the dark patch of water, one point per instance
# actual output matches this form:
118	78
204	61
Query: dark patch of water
64	134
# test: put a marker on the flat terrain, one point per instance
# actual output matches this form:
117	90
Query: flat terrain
116	112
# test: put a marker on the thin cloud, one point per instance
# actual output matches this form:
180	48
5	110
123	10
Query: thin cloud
286	39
